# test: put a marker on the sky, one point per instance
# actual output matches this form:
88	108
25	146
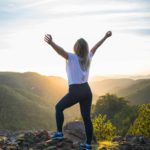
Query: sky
23	24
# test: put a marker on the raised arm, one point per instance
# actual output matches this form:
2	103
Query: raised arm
98	44
57	48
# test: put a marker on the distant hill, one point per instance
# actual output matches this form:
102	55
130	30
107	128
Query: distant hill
134	77
97	78
135	91
23	112
46	87
109	85
138	92
140	77
28	100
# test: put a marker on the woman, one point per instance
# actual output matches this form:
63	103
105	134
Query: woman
77	67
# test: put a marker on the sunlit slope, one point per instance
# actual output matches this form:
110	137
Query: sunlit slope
49	88
18	111
28	100
138	92
135	91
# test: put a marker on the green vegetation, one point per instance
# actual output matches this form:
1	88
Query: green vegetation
104	130
126	118
109	104
141	125
27	101
108	145
137	93
118	111
20	113
134	91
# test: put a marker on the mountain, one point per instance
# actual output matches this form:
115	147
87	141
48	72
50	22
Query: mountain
138	92
135	91
43	86
97	78
20	112
109	85
28	100
134	77
140	77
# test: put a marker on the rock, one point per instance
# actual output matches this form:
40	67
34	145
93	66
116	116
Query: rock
132	142
130	146
138	139
5	133
117	139
41	140
35	140
75	131
103	148
125	146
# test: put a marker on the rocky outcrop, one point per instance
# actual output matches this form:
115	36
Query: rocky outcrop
133	146
35	140
75	131
132	142
73	134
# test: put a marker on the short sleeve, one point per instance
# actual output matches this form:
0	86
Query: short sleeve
71	57
90	55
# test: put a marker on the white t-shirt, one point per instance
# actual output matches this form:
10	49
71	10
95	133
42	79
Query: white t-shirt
74	72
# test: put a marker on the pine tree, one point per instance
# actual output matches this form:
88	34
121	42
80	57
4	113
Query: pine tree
141	125
104	130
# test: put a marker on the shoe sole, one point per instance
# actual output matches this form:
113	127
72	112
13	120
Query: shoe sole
83	148
58	138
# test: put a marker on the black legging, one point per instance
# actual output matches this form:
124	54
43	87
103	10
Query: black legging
77	93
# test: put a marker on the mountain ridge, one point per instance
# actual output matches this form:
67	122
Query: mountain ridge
33	96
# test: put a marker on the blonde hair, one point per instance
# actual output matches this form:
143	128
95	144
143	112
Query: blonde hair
81	48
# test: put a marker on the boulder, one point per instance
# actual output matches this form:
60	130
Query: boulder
135	142
117	139
75	131
5	133
138	139
35	140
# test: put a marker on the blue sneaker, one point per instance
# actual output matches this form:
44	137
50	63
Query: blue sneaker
85	146
57	136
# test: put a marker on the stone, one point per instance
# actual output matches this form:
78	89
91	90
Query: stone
75	131
41	140
35	140
117	139
138	139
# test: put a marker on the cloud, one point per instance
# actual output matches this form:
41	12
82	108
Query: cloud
35	8
127	15
140	31
28	20
4	45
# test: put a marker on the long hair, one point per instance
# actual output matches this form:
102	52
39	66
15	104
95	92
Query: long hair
81	48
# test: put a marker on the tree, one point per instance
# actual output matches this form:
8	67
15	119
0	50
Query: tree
118	111
142	122
109	104
104	130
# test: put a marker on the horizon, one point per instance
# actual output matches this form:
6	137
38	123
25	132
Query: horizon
92	78
24	24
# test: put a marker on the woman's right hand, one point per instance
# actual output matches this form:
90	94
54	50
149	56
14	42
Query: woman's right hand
48	38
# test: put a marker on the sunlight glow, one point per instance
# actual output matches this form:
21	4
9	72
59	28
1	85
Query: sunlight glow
22	47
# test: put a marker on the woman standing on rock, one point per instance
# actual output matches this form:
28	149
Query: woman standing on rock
77	67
